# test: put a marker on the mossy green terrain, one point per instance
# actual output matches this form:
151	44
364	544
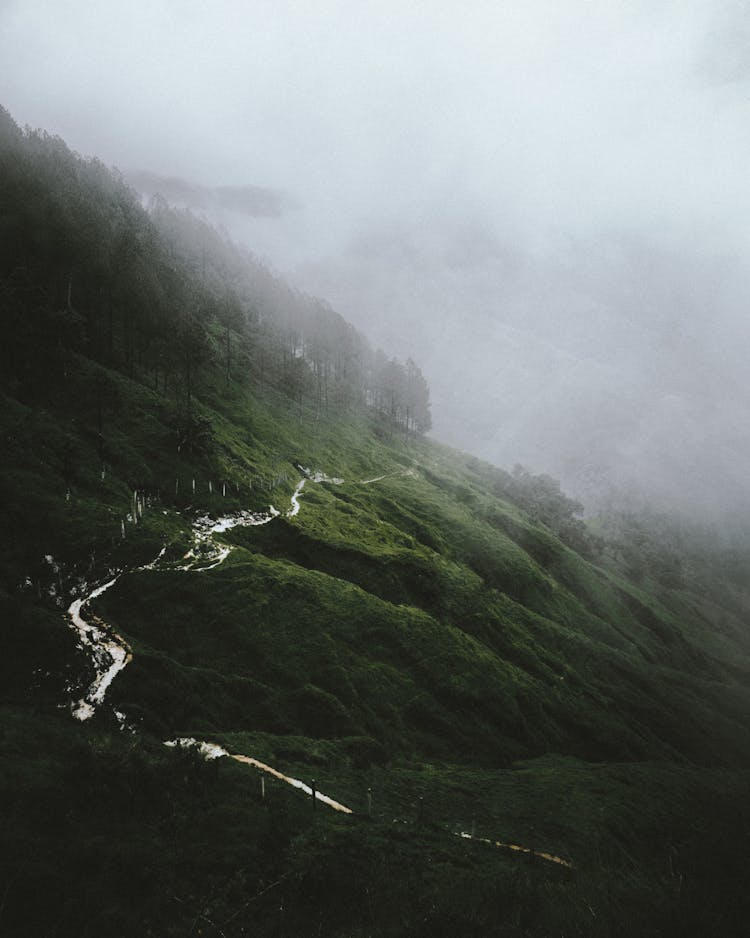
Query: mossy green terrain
416	635
444	647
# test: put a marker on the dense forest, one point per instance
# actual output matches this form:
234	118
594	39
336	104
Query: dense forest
158	294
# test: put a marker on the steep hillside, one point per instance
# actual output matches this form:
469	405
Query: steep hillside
441	646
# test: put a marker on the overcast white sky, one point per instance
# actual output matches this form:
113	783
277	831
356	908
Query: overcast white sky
546	203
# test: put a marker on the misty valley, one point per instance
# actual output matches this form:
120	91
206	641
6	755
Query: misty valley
276	660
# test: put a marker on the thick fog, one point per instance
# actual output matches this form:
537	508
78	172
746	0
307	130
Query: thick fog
545	203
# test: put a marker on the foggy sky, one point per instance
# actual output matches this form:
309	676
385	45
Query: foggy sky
545	203
254	201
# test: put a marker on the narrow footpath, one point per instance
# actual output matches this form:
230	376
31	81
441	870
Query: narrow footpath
110	652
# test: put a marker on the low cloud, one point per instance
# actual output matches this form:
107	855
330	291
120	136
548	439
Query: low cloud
251	201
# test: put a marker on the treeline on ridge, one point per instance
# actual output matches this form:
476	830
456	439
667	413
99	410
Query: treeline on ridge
159	294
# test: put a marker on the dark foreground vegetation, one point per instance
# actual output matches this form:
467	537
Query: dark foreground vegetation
450	637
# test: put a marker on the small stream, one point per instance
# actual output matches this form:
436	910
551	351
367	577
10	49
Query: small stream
110	652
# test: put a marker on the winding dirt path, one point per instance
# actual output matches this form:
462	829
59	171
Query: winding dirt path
111	653
214	751
517	848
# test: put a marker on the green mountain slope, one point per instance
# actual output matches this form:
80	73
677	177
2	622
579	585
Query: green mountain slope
422	628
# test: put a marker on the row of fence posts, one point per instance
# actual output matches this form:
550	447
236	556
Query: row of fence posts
420	813
139	500
314	799
222	487
267	484
138	503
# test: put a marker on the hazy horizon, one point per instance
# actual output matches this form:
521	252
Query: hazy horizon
543	203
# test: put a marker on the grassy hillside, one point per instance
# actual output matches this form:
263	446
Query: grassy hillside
541	729
416	635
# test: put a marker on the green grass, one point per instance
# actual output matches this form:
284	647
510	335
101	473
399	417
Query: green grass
418	636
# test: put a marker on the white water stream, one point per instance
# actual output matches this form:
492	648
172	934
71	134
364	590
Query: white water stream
110	652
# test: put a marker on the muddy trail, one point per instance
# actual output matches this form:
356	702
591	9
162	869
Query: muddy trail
110	653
